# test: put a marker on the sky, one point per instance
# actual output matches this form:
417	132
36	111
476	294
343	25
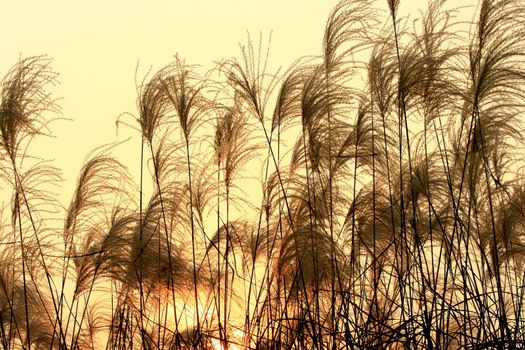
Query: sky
96	47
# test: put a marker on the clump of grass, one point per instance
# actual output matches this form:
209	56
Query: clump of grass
389	213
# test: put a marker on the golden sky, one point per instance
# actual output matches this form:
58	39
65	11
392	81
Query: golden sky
96	45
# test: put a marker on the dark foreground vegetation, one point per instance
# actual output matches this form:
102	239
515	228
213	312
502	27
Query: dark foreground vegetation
390	212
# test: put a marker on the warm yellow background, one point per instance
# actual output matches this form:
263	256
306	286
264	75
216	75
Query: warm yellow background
96	46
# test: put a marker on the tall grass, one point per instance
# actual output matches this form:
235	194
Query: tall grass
389	211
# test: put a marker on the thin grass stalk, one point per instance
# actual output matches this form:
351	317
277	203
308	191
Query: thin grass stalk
26	304
168	236
192	236
141	234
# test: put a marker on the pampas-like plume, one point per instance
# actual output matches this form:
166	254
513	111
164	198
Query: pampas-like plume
24	102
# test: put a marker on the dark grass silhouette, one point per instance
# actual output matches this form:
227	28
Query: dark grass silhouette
392	212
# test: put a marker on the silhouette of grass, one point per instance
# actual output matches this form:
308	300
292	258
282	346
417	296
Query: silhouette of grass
390	213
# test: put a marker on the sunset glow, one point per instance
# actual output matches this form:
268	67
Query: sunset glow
222	175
